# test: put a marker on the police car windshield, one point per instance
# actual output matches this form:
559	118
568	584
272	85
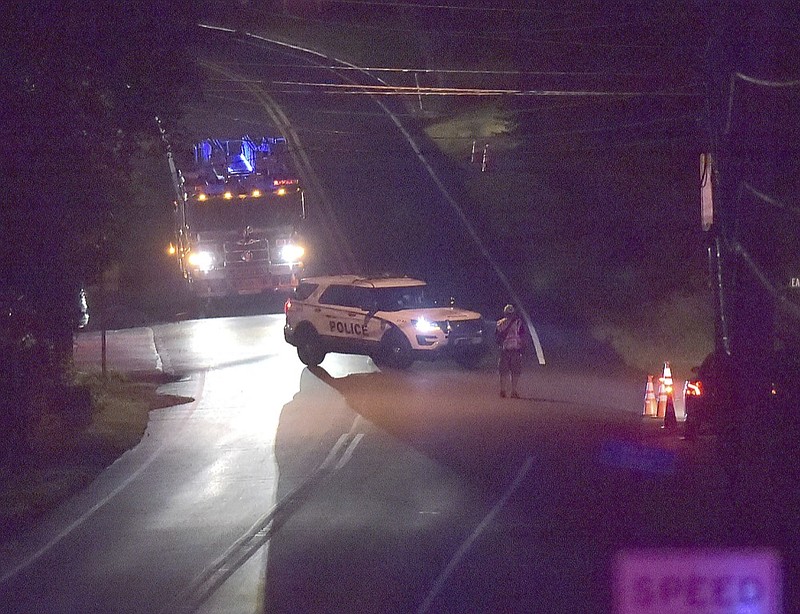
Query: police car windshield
397	299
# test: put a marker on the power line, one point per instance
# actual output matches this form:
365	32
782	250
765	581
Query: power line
450	71
754	81
483	8
352	113
767	198
451	7
765	82
454	91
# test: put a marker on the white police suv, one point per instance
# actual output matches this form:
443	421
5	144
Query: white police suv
390	319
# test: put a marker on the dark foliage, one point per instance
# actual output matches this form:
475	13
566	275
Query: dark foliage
82	84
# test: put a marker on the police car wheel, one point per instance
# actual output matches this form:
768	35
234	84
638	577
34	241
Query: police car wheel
310	351
396	350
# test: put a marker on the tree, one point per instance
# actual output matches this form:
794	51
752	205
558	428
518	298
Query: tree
83	85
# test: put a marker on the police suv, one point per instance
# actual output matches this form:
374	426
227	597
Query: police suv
390	319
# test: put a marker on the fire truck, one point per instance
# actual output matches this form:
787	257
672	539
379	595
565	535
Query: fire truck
239	214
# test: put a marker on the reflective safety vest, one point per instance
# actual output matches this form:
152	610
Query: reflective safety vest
511	330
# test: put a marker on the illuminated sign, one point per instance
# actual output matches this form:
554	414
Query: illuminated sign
702	581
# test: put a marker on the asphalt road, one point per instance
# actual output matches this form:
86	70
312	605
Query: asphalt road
347	489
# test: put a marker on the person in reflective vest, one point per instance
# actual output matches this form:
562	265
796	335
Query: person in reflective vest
509	335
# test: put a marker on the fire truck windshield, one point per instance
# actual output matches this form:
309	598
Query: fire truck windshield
236	214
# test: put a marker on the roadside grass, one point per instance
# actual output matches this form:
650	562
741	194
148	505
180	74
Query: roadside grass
60	455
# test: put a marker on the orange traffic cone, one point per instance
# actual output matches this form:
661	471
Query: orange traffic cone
664	389
662	398
650	403
670	419
667	375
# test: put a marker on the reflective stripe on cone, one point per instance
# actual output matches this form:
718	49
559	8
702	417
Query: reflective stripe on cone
650	402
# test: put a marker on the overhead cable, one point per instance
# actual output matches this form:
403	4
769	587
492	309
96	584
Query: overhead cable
744	185
753	81
450	71
455	91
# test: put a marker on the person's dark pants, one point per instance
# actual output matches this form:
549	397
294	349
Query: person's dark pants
510	367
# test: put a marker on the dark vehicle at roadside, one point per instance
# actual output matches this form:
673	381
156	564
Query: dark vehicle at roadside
709	397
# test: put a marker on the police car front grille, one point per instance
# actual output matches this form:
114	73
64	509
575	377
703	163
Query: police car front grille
465	327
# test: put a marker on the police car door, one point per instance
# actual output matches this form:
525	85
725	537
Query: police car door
372	327
343	318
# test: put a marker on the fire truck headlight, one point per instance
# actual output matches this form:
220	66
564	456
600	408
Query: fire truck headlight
292	253
203	261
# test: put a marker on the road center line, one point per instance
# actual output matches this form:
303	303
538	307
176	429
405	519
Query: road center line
217	573
348	452
467	544
334	453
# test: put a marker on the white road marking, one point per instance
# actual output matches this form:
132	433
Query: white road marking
100	504
464	548
214	576
348	453
334	453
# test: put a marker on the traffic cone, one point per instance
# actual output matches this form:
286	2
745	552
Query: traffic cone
670	419
664	389
662	398
650	403
667	375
